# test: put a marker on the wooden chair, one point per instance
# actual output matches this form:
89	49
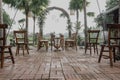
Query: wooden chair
21	42
72	42
3	46
113	43
42	42
56	43
92	41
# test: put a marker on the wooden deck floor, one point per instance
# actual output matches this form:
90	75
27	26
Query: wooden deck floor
62	65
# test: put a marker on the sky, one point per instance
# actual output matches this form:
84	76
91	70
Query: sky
55	23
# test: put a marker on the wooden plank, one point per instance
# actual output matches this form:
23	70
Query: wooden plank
62	65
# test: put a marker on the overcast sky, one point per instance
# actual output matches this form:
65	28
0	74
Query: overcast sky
55	23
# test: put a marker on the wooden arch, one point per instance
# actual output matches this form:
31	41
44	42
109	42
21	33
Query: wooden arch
69	27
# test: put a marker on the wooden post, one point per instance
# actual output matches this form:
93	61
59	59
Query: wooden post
85	21
1	13
1	20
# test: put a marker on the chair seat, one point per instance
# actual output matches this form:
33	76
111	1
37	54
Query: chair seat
43	40
69	40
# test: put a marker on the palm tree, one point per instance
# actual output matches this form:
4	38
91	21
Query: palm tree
119	11
25	5
20	4
37	9
41	21
79	5
85	21
1	19
76	5
1	14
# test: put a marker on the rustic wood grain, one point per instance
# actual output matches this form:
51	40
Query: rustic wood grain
61	65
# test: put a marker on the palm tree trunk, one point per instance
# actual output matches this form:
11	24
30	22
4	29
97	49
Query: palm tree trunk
27	21
119	12
41	30
77	17
1	19
1	13
69	28
85	21
27	26
34	30
119	23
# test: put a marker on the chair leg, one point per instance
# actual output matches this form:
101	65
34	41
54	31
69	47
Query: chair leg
110	55
51	45
2	57
101	52
86	48
11	55
46	44
90	50
97	49
27	49
17	50
23	49
114	54
38	46
94	46
76	46
66	45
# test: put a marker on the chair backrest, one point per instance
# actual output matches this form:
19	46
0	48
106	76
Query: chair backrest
20	36
39	37
113	34
93	36
74	36
3	32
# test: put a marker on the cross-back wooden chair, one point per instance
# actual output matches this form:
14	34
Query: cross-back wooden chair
92	41
71	42
21	42
3	46
59	42
42	42
113	43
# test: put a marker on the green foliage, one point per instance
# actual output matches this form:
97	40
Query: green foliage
91	14
6	18
79	40
21	20
78	26
111	3
11	3
21	23
62	15
28	5
76	5
38	6
99	20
